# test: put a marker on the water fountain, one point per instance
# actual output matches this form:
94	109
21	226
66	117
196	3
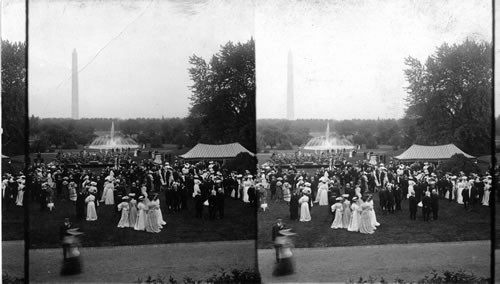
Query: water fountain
328	142
113	141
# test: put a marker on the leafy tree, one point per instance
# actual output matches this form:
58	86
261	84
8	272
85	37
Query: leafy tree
13	97
457	163
223	96
449	97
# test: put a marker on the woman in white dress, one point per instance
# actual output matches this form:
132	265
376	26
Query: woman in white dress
152	224
372	212
91	212
356	215
246	185
346	214
411	184
486	196
161	222
20	192
140	223
144	190
365	221
305	215
132	215
286	192
322	195
124	208
107	194
338	209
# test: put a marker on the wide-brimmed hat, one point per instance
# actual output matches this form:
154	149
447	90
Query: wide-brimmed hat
286	232
74	232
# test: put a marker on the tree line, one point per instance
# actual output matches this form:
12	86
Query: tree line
449	100
222	108
287	134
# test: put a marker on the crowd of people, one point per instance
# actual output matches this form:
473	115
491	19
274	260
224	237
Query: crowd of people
347	191
300	158
86	157
133	189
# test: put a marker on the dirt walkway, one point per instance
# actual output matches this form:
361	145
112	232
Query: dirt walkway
13	258
408	262
126	264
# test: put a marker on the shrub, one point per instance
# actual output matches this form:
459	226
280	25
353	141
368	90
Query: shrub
6	278
235	276
457	163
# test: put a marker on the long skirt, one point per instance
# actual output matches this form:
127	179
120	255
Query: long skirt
161	222
284	267
19	198
346	218
91	212
354	224
152	225
337	222
132	216
305	215
365	223
71	266
124	223
140	223
486	198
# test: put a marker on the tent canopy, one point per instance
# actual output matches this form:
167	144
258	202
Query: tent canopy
210	151
440	152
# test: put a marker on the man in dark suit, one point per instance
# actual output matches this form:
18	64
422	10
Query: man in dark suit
220	202
426	205
198	201
397	197
434	204
212	203
466	197
276	228
390	200
474	196
294	206
413	206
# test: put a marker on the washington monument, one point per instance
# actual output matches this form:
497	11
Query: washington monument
74	87
290	112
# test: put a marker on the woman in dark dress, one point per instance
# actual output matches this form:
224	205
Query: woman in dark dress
285	264
72	263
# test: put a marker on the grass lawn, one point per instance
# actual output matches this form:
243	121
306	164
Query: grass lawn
454	224
239	224
13	223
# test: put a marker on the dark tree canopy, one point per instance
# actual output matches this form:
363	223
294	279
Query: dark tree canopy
223	99
449	97
13	97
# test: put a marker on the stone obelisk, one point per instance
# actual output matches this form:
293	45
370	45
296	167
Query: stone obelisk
74	87
290	107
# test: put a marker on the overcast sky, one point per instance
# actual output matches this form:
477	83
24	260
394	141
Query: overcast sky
348	56
135	52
